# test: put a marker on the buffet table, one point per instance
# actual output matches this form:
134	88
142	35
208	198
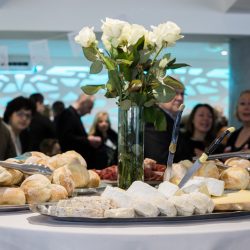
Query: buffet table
29	231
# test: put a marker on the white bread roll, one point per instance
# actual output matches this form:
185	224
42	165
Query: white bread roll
62	176
39	155
5	176
235	178
37	189
208	169
94	179
58	192
12	196
239	162
76	164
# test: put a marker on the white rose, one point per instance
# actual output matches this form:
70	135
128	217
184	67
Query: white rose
106	43
112	29
86	37
168	33
163	63
131	34
150	40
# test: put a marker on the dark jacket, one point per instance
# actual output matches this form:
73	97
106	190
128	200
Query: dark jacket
7	148
106	153
156	143
40	128
72	134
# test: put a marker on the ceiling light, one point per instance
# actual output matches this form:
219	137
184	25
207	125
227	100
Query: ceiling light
224	53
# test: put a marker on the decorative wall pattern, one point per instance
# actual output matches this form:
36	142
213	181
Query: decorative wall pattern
206	84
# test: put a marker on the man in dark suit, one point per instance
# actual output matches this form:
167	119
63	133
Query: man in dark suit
156	143
41	127
71	132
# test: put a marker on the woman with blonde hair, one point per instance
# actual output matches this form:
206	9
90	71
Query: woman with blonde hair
106	153
240	139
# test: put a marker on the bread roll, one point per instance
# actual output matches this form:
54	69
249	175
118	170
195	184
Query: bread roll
62	176
239	162
58	192
78	167
56	162
94	179
235	178
39	155
5	176
37	189
208	169
17	176
12	196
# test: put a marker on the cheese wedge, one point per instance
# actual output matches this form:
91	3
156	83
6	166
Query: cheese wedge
233	201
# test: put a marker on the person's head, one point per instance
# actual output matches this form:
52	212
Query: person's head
18	113
38	100
101	123
84	104
202	120
57	108
173	106
243	107
50	147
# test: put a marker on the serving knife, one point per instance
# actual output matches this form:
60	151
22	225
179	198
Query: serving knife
28	168
197	164
172	146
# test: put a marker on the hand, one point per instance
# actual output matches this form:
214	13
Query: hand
95	141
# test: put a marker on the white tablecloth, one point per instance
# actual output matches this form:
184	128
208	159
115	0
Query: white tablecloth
30	231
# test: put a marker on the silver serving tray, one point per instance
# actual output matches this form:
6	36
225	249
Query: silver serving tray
13	208
42	209
156	220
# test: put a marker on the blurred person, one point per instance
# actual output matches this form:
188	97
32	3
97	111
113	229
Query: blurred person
7	148
18	115
156	143
50	147
106	153
57	109
240	138
71	131
200	130
41	126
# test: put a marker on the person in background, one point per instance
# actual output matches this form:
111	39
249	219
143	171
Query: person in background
240	138
17	115
156	143
57	109
50	147
199	130
41	127
106	153
71	131
7	148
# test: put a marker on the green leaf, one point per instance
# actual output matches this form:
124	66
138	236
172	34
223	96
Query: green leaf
149	103
125	104
144	56
168	55
96	67
160	121
172	82
108	62
90	53
149	114
164	93
114	80
178	65
92	89
138	98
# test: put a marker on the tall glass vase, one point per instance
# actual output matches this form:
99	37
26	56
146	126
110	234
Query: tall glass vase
130	146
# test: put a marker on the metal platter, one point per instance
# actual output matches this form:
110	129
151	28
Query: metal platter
13	208
89	191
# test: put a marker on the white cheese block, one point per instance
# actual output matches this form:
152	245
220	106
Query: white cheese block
141	190
202	203
168	189
183	205
215	187
120	213
124	200
195	185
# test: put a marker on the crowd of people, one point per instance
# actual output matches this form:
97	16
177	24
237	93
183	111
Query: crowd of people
26	127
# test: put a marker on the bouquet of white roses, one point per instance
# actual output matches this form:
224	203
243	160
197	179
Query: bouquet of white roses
136	76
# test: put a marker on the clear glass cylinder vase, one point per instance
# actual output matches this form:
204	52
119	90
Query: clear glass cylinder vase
130	146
